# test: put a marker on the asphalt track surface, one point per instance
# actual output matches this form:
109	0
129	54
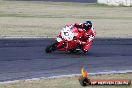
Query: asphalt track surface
26	58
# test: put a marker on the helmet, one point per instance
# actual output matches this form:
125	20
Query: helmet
87	25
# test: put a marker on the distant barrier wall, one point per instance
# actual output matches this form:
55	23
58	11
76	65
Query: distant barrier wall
83	1
116	2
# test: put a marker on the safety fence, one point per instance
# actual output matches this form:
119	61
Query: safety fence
116	2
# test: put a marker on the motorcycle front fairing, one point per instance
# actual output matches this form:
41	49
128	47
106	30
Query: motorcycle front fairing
66	45
65	39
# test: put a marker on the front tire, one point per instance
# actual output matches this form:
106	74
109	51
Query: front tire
51	48
48	49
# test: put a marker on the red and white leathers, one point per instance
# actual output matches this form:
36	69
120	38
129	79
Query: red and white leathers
83	38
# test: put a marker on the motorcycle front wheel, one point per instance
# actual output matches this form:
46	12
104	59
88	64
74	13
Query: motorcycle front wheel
51	48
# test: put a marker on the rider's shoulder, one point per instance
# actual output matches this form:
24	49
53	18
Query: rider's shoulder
77	23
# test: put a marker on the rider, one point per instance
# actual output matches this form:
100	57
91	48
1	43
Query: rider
87	33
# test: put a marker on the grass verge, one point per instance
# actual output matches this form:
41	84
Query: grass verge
66	82
45	19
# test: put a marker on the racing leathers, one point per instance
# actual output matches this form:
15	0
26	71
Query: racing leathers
84	38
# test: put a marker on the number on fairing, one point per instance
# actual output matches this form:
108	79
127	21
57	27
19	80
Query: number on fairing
66	33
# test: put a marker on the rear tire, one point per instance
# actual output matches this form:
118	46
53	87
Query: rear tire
74	51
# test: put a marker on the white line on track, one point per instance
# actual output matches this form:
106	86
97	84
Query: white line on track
25	37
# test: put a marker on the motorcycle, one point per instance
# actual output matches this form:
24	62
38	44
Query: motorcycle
65	42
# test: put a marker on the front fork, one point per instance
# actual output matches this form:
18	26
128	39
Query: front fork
61	43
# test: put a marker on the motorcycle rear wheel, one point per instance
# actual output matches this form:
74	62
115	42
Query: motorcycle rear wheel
74	51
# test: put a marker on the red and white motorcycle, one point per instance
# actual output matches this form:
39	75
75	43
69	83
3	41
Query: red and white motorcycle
65	42
68	40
